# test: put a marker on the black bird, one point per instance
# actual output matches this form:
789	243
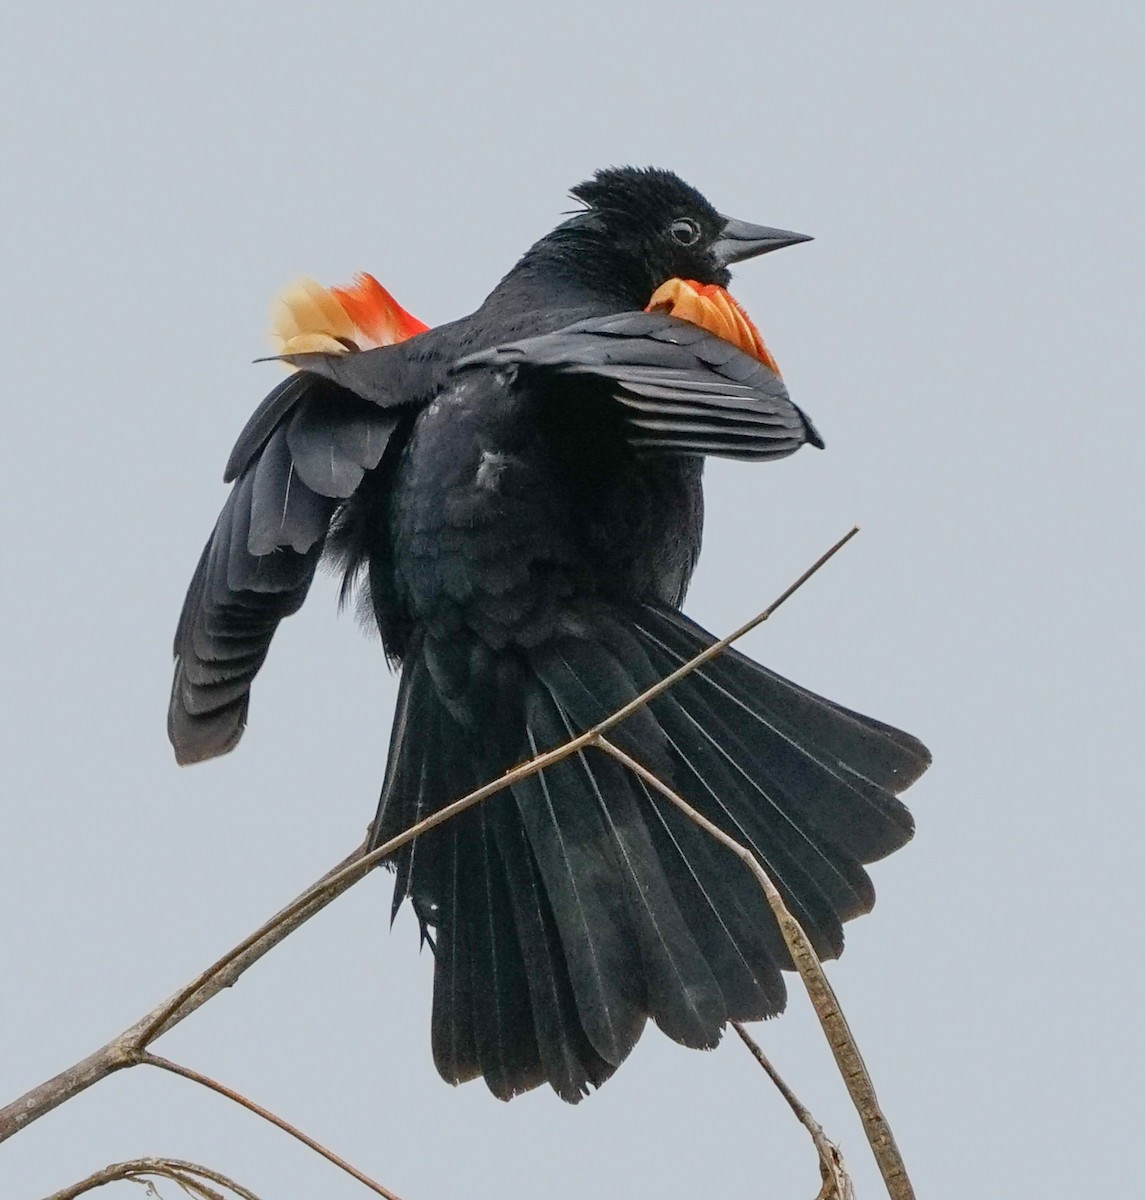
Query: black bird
519	494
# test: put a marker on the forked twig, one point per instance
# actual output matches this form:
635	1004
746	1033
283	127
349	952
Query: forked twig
127	1049
350	870
130	1048
196	1180
214	1085
833	1173
823	999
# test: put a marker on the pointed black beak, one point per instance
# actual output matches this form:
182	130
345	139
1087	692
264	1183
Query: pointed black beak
740	239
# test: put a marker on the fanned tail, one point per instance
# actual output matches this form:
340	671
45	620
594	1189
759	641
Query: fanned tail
572	906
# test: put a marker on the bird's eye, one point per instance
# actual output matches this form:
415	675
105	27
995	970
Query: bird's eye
685	231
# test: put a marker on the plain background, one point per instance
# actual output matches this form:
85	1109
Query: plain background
965	330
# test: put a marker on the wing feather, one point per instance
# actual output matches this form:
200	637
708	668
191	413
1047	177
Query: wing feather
701	393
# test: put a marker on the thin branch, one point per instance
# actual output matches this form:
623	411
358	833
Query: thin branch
187	1175
166	1064
823	999
832	1171
128	1049
360	863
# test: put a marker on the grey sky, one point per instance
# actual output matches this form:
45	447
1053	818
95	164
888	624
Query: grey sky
965	331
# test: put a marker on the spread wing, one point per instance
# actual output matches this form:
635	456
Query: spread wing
307	448
303	452
682	389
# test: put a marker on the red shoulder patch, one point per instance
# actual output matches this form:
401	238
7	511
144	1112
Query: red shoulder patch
715	309
376	313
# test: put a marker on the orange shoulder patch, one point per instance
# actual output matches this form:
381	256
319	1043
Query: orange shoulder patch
714	309
376	313
309	318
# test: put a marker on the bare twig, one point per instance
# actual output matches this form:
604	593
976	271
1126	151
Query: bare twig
832	1171
214	1085
195	1179
350	870
129	1048
823	999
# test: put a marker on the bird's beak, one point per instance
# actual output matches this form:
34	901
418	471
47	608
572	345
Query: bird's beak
740	239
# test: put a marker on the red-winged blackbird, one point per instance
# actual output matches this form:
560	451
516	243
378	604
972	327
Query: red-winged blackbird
519	494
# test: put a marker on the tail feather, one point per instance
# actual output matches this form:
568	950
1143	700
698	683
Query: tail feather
727	913
453	1034
881	753
412	788
485	904
596	681
709	773
745	807
682	994
433	870
587	682
569	1061
577	903
843	768
503	1014
577	865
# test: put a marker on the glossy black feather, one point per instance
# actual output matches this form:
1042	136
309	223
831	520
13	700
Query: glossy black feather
335	439
568	1059
503	1014
264	420
683	389
453	1033
682	995
724	910
865	762
234	604
579	868
305	449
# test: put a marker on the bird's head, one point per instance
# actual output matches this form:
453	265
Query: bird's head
643	226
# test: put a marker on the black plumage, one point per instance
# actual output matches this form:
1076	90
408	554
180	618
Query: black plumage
519	493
